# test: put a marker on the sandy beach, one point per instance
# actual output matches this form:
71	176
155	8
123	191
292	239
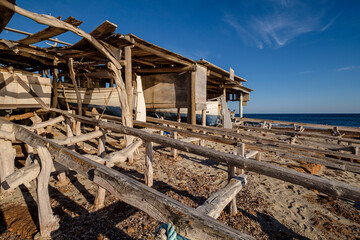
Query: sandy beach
268	208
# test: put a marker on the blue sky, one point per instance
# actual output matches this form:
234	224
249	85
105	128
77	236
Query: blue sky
298	56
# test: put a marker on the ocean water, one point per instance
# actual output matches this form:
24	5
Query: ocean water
341	119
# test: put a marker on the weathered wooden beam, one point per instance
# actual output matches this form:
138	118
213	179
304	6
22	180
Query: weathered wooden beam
251	154
80	138
128	75
21	176
187	220
218	200
7	161
7	135
49	32
149	172
47	123
161	54
165	69
47	221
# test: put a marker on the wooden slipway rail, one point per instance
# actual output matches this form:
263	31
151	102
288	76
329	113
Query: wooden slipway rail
188	221
330	187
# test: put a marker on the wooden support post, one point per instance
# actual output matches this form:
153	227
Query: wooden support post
7	161
232	205
54	102
178	115
148	173
47	221
72	76
240	152
203	123
128	75
161	132
191	115
258	156
100	195
174	150
241	105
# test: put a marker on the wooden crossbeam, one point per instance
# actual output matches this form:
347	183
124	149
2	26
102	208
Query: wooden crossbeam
218	200
49	32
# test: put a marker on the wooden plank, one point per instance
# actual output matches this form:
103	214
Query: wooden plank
47	123
333	188
218	200
100	32
162	54
80	138
188	221
49	32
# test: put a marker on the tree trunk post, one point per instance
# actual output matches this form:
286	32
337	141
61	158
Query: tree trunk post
48	222
148	173
203	123
7	158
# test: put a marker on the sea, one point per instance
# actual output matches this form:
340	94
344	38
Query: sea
336	119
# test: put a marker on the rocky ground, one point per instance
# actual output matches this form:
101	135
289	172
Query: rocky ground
268	208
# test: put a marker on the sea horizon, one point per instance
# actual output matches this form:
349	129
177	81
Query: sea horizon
336	119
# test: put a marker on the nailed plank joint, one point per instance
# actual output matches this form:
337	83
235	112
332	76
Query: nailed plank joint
218	200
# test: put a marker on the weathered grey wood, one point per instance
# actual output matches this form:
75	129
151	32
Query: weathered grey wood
203	123
21	176
173	150
218	200
7	135
330	187
128	75
49	32
187	220
191	114
232	202
258	156
123	154
240	151
7	160
148	173
101	192
47	221
47	123
80	138
126	115
251	154
72	77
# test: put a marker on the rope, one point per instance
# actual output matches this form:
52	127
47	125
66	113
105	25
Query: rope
170	232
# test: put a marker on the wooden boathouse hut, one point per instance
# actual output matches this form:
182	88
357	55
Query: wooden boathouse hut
77	72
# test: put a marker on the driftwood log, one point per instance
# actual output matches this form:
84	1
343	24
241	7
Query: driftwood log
218	200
